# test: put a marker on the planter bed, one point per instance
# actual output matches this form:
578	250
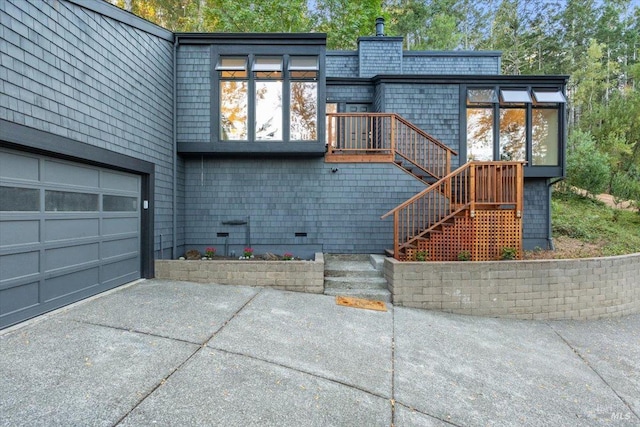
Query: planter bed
293	275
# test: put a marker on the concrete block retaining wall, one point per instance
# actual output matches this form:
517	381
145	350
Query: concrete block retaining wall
298	276
583	289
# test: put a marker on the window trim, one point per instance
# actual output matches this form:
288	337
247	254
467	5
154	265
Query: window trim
530	169
286	147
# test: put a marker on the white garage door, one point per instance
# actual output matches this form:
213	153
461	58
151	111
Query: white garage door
67	231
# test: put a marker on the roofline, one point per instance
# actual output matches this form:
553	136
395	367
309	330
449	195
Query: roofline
470	78
253	38
107	9
452	53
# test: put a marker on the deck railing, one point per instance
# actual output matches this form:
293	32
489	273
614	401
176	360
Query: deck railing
383	136
475	185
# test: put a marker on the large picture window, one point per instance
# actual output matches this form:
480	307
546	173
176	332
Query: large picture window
268	98
514	124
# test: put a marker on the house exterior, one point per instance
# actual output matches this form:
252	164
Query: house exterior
122	143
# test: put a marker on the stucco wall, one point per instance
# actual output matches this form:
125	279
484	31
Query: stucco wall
546	289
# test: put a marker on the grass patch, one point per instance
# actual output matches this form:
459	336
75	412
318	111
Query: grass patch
615	231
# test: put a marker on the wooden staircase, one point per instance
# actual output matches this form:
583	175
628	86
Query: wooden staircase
474	212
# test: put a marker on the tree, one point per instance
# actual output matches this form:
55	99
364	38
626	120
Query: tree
344	21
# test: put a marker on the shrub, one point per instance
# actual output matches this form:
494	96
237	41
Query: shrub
508	253
587	167
464	256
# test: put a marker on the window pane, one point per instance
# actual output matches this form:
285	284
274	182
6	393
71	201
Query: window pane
14	199
269	110
267	63
233	110
479	134
303	63
232	63
545	144
549	97
515	96
304	111
64	201
513	134
119	203
481	96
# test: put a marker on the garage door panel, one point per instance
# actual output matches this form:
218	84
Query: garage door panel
119	181
121	268
67	284
66	173
20	232
58	258
18	298
14	166
111	226
64	229
117	247
13	266
84	239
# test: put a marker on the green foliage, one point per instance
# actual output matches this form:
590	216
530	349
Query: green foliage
626	186
344	21
422	255
587	167
464	256
508	253
583	218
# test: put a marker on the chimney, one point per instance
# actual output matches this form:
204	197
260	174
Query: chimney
380	27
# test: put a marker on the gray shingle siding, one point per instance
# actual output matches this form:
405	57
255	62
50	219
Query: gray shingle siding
350	93
536	214
76	73
340	212
433	108
194	93
457	63
342	64
379	55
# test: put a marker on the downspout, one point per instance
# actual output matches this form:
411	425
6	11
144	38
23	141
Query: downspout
550	244
175	150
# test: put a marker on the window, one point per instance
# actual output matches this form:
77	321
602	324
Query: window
65	201
111	203
522	124
480	124
268	98
16	199
303	101
234	106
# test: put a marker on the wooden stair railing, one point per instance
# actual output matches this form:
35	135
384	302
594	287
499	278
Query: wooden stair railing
487	186
386	137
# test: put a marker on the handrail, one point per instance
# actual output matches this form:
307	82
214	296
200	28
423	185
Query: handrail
391	135
472	186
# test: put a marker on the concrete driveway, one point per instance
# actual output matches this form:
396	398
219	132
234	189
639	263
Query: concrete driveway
176	353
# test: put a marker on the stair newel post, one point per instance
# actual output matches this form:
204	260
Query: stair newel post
519	190
447	170
396	236
393	135
330	131
472	189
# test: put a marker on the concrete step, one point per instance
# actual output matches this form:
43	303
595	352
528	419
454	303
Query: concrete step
355	283
358	276
371	294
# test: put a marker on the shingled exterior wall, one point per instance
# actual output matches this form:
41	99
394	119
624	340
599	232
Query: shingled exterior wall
592	288
338	206
73	72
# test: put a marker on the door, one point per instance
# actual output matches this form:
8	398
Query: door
67	231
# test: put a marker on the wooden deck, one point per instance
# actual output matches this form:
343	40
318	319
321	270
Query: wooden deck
474	212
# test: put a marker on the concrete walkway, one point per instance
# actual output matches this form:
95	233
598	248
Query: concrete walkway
175	353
